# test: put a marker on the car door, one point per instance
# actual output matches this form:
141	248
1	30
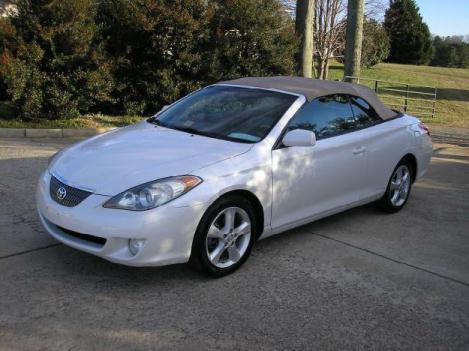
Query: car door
308	181
383	142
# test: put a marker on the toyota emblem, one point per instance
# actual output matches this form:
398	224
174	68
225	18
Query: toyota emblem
61	193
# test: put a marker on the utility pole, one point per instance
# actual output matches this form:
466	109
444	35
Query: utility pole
354	37
304	29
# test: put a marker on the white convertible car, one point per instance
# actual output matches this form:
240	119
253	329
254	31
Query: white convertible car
227	165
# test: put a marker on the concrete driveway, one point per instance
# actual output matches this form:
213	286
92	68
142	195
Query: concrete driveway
357	280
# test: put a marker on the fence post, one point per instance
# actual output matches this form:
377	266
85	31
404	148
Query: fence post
434	105
376	86
406	97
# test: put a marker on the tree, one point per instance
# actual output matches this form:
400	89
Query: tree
375	46
330	19
329	29
354	38
304	30
409	35
450	52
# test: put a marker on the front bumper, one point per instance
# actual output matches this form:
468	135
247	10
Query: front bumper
168	231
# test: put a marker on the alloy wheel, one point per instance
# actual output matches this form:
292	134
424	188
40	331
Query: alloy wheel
400	186
228	237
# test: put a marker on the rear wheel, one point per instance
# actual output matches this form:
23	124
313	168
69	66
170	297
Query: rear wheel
225	236
398	190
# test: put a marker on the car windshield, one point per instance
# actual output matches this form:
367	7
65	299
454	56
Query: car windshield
225	112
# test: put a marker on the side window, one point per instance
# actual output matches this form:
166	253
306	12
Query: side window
365	115
325	116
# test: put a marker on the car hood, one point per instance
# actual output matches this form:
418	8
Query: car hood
118	160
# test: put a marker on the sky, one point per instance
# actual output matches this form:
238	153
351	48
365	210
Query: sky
445	17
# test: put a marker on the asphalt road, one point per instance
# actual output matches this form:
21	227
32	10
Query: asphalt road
357	280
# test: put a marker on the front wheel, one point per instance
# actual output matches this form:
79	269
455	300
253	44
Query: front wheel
225	236
398	190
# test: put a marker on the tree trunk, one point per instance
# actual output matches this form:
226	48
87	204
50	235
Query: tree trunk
325	73
304	29
353	39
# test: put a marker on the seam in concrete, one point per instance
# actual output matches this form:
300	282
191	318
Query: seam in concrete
392	259
320	235
29	251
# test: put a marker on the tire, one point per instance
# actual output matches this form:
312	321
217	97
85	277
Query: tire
398	189
218	238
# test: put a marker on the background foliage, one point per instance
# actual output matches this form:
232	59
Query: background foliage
409	35
376	44
450	52
69	58
63	58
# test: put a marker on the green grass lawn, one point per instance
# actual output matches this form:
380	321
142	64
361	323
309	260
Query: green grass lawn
452	107
88	121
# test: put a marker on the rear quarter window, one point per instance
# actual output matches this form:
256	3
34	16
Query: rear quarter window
364	114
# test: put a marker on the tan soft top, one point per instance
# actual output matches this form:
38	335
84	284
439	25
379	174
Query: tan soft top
314	88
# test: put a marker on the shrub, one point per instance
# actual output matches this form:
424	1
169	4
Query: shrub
162	50
54	59
24	81
7	34
251	38
70	57
376	46
156	50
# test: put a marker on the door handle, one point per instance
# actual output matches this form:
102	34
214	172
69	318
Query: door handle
359	150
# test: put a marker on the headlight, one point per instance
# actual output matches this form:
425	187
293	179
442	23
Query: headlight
153	194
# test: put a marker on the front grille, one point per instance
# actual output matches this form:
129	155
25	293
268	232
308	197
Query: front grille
86	237
65	194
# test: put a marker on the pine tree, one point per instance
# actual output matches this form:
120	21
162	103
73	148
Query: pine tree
409	35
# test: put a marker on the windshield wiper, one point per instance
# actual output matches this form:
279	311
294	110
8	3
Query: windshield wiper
188	130
197	132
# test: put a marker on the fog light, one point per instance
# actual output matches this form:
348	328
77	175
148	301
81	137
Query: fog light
135	245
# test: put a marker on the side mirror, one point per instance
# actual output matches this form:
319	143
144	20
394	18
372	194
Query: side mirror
299	137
